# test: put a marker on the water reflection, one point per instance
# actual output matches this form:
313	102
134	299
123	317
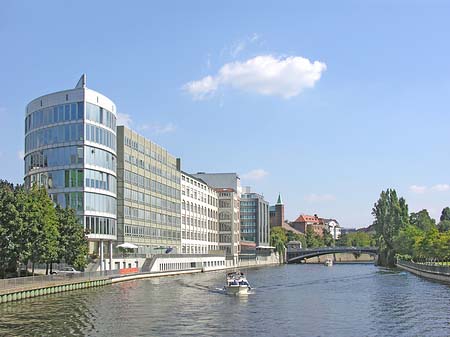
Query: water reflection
298	300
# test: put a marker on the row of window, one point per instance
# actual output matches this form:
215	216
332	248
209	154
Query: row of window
152	232
191	207
52	115
100	180
158	218
71	199
101	136
150	184
100	203
101	158
100	115
73	178
54	135
100	225
167	172
148	151
201	196
59	156
151	200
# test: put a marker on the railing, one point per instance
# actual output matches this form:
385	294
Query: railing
430	268
42	280
336	248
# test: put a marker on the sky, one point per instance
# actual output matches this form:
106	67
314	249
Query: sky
325	102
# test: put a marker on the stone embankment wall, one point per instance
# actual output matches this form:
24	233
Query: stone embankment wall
434	272
342	258
260	261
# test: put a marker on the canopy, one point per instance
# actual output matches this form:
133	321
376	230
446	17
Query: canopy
127	245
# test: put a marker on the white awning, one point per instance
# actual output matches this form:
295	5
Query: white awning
127	245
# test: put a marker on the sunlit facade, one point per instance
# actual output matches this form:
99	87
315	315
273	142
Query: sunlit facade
70	148
149	197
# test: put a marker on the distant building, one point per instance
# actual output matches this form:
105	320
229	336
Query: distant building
304	221
276	213
254	215
148	193
333	227
199	216
228	187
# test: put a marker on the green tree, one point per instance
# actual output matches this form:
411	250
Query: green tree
312	239
278	240
73	247
40	226
391	215
444	220
328	239
10	229
422	220
291	236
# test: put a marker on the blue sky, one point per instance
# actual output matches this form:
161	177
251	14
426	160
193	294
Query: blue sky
371	113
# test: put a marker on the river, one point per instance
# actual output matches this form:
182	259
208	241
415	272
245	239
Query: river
291	300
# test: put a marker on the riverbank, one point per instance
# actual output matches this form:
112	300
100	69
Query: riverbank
28	287
433	272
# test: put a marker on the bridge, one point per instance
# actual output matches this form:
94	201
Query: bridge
298	255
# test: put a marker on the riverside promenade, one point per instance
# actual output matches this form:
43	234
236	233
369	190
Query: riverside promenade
431	271
15	289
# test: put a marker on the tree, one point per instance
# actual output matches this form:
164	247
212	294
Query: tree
391	215
10	229
291	236
40	226
278	240
312	239
445	215
328	239
72	247
422	220
444	220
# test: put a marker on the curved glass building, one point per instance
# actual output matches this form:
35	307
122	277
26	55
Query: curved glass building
70	148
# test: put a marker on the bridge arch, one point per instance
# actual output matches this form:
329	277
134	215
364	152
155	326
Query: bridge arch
303	254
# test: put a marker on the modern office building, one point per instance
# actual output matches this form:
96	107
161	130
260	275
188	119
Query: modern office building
199	216
229	190
70	148
148	193
254	215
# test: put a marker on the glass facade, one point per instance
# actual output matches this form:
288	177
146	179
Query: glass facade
76	174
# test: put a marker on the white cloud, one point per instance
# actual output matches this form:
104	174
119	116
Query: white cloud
266	75
158	128
256	174
441	187
417	189
20	155
319	197
124	119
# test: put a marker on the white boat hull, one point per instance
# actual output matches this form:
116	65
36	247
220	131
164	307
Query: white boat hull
237	290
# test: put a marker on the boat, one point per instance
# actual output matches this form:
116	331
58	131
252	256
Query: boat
328	262
237	284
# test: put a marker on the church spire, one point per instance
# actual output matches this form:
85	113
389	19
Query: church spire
279	201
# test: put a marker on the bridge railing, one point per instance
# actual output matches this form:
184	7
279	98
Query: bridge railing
336	248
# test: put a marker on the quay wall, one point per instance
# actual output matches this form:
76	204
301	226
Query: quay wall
434	272
52	284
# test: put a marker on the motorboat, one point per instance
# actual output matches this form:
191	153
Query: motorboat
237	284
328	262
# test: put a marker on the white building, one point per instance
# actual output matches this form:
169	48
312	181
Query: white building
229	190
333	227
199	216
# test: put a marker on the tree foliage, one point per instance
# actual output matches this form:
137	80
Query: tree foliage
33	230
422	220
391	216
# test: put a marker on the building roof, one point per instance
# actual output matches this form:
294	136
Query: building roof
279	201
307	218
288	227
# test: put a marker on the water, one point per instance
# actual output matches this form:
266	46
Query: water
293	300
